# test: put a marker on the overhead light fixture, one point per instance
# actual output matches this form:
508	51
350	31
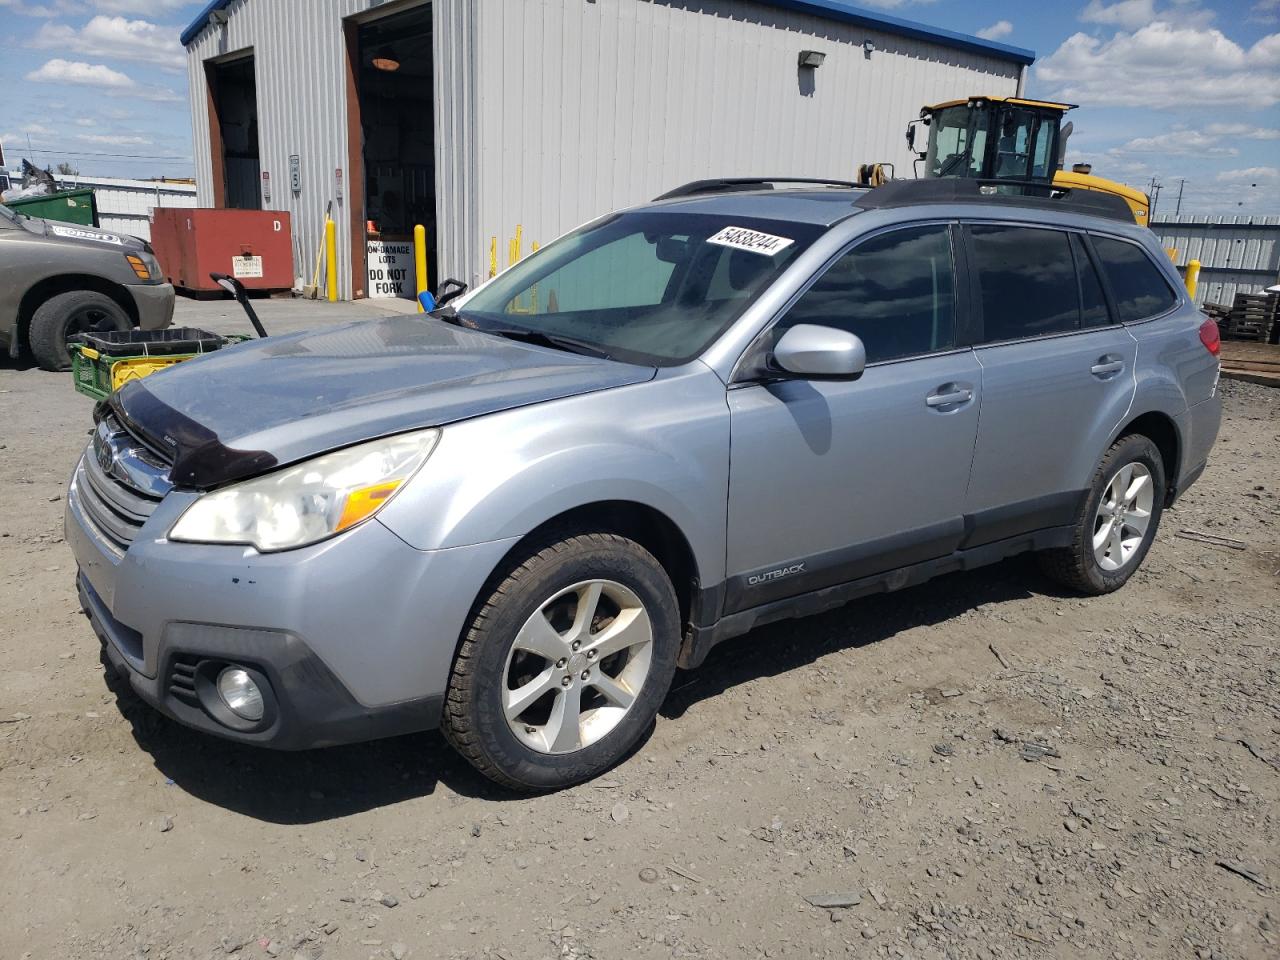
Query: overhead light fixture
811	59
384	60
868	47
218	18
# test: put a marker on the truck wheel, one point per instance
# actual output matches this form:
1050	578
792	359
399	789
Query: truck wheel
565	663
62	316
1118	522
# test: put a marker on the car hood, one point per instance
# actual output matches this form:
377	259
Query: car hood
266	403
85	236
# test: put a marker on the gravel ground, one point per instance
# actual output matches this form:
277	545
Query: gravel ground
979	767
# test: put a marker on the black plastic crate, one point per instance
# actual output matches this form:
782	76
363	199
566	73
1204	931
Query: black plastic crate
154	343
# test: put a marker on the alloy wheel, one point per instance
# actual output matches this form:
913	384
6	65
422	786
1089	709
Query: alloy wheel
1123	516
576	667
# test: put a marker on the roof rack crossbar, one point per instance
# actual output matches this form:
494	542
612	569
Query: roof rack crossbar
731	184
902	193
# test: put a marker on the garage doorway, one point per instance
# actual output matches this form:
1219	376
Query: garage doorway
233	121
396	131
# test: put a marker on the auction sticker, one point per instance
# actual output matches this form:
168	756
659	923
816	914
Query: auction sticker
74	234
740	238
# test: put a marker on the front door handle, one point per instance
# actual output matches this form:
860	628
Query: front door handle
1107	365
949	398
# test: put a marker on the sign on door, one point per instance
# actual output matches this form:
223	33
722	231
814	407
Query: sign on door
390	269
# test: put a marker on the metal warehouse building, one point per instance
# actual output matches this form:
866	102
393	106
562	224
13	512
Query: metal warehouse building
475	117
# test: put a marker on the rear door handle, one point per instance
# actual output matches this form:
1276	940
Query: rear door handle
952	397
1106	366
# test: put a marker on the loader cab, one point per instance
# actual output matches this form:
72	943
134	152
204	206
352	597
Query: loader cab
990	138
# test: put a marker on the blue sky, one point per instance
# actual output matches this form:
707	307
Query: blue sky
1173	89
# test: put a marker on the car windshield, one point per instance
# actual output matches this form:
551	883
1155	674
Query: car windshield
651	287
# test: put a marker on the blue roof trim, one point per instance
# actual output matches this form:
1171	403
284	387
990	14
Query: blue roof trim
847	12
826	9
201	21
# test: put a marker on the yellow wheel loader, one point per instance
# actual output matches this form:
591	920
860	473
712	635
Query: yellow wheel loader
1010	139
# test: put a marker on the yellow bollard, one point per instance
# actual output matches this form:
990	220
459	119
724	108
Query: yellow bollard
493	257
519	243
331	259
1193	277
420	260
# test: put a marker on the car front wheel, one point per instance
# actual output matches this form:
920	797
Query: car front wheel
60	317
565	663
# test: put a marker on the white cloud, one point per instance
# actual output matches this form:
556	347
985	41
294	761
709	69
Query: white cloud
1265	11
58	70
1177	143
115	38
85	122
1164	67
1001	28
1250	174
58	8
1135	14
112	82
116	140
893	4
1243	130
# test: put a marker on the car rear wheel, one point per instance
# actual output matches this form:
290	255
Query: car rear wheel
62	316
565	663
1117	523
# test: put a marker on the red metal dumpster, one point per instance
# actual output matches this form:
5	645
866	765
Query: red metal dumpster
252	245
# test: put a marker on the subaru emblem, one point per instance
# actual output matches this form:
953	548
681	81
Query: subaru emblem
104	452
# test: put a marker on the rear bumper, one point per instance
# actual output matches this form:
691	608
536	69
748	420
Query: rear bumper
1199	429
155	304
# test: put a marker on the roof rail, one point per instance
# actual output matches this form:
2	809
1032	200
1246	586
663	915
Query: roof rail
731	184
1045	196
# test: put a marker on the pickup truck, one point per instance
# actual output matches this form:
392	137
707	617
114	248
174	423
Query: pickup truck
60	279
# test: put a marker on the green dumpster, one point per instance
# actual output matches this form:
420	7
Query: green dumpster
69	206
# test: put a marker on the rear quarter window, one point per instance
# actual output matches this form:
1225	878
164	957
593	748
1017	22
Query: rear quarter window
1139	288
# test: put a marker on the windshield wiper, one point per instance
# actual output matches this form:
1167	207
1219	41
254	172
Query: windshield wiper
523	334
553	340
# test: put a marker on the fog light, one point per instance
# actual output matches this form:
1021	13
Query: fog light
240	693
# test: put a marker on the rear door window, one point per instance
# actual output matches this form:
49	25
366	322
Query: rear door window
1139	288
1027	281
895	291
1093	303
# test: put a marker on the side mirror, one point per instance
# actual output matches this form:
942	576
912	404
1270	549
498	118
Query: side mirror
911	137
820	353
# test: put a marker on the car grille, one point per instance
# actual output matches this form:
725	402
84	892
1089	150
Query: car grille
120	482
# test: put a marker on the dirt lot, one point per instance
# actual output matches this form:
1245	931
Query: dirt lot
1109	790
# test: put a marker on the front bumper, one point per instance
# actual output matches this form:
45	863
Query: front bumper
155	304
355	636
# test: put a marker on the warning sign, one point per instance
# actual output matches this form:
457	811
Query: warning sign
390	269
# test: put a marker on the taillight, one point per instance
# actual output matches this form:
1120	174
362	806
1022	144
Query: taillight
1210	338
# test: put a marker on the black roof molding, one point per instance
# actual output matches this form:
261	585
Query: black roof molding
734	184
1013	193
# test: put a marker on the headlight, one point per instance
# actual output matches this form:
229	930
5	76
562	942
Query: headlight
145	266
308	501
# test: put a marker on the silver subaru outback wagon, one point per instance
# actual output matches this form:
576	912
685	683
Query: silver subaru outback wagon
514	517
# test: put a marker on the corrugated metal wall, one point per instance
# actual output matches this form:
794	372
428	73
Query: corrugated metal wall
551	112
299	62
125	205
587	107
1238	254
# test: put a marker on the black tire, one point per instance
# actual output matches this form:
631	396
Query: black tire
61	316
1076	566
474	722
